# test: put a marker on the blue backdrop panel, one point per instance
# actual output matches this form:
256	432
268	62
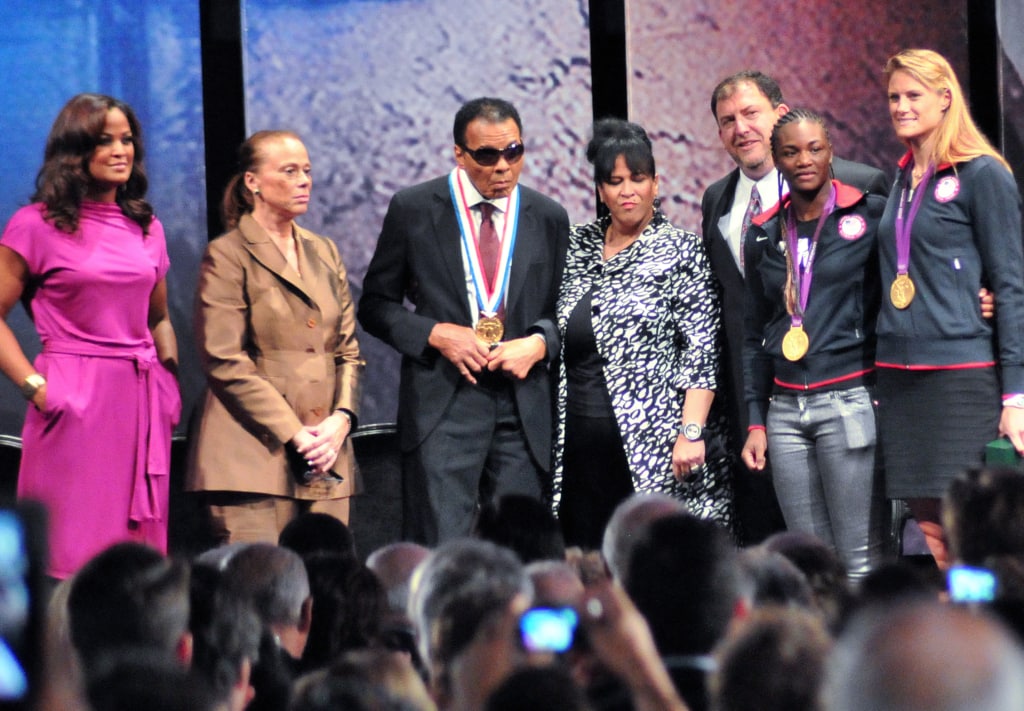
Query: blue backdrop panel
145	52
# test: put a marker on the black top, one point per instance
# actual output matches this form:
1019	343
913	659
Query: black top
588	393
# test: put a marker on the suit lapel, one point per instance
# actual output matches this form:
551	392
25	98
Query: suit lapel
265	252
310	264
449	244
521	256
718	245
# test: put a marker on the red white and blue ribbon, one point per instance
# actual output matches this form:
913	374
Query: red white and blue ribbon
488	300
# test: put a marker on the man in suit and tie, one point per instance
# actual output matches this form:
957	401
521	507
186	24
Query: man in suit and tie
479	257
746	106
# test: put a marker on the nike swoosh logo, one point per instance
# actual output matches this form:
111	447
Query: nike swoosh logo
762	238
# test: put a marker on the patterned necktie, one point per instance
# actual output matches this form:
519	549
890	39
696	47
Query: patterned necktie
753	210
490	246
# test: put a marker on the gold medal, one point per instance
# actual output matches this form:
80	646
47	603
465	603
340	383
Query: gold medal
490	330
795	343
902	291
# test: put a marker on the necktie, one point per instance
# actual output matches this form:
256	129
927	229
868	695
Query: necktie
490	246
753	210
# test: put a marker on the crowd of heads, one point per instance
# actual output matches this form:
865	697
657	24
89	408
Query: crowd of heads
777	625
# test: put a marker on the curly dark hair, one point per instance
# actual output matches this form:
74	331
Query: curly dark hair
64	181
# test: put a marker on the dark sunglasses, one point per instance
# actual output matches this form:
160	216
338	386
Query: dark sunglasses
490	156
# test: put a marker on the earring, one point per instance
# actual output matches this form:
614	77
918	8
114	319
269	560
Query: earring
256	191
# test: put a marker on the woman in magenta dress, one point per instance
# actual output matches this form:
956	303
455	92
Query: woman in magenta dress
88	259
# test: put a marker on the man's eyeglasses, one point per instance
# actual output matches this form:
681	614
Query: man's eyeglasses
490	156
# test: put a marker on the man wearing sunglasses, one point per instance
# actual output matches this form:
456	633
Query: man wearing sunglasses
479	258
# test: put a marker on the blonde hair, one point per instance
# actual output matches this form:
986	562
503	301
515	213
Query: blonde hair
958	139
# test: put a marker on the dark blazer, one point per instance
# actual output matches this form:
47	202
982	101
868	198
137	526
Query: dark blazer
419	258
716	202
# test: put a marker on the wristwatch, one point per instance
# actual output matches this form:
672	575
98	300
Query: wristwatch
1016	400
692	431
30	386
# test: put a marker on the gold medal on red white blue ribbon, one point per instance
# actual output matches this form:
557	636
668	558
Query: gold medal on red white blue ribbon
488	301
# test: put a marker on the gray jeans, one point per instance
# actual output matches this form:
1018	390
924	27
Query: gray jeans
822	446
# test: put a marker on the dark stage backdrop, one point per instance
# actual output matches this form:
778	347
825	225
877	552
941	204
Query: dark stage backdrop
372	88
825	55
145	52
372	85
1010	18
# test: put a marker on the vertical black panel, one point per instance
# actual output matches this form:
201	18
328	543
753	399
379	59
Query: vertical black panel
983	51
223	97
608	63
608	57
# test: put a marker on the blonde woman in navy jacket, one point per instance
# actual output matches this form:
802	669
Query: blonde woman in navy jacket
946	383
809	346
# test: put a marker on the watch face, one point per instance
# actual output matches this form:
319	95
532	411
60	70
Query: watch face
692	432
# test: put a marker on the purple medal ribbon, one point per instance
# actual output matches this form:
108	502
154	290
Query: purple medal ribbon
904	226
802	277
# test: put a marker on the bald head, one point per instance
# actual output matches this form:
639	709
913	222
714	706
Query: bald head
628	522
393	565
925	657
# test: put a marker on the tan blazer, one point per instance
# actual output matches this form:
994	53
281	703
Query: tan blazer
279	352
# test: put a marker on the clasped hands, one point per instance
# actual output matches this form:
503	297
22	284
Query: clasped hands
320	444
470	355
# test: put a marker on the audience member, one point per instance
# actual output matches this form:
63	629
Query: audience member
626	524
684	577
622	642
388	670
465	605
315	532
773	661
348	603
130	597
538	689
62	682
821	566
774	580
274	580
983	515
393	565
892	583
522	524
322	691
226	637
145	680
924	657
555	584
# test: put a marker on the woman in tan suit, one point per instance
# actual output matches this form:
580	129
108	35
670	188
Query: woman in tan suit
275	328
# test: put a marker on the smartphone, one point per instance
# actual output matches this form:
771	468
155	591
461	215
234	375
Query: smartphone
22	569
968	584
548	629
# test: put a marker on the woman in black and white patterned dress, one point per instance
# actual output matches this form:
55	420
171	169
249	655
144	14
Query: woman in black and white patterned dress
639	319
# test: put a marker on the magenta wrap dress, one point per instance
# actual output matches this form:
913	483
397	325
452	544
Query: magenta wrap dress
98	457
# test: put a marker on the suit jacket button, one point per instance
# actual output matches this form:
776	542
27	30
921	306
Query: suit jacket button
311	322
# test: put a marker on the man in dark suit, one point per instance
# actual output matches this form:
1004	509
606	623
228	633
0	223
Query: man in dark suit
746	106
480	258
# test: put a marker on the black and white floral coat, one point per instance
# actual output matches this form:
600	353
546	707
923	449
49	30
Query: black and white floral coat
656	322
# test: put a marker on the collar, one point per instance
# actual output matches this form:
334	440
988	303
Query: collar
846	196
909	156
474	198
769	181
